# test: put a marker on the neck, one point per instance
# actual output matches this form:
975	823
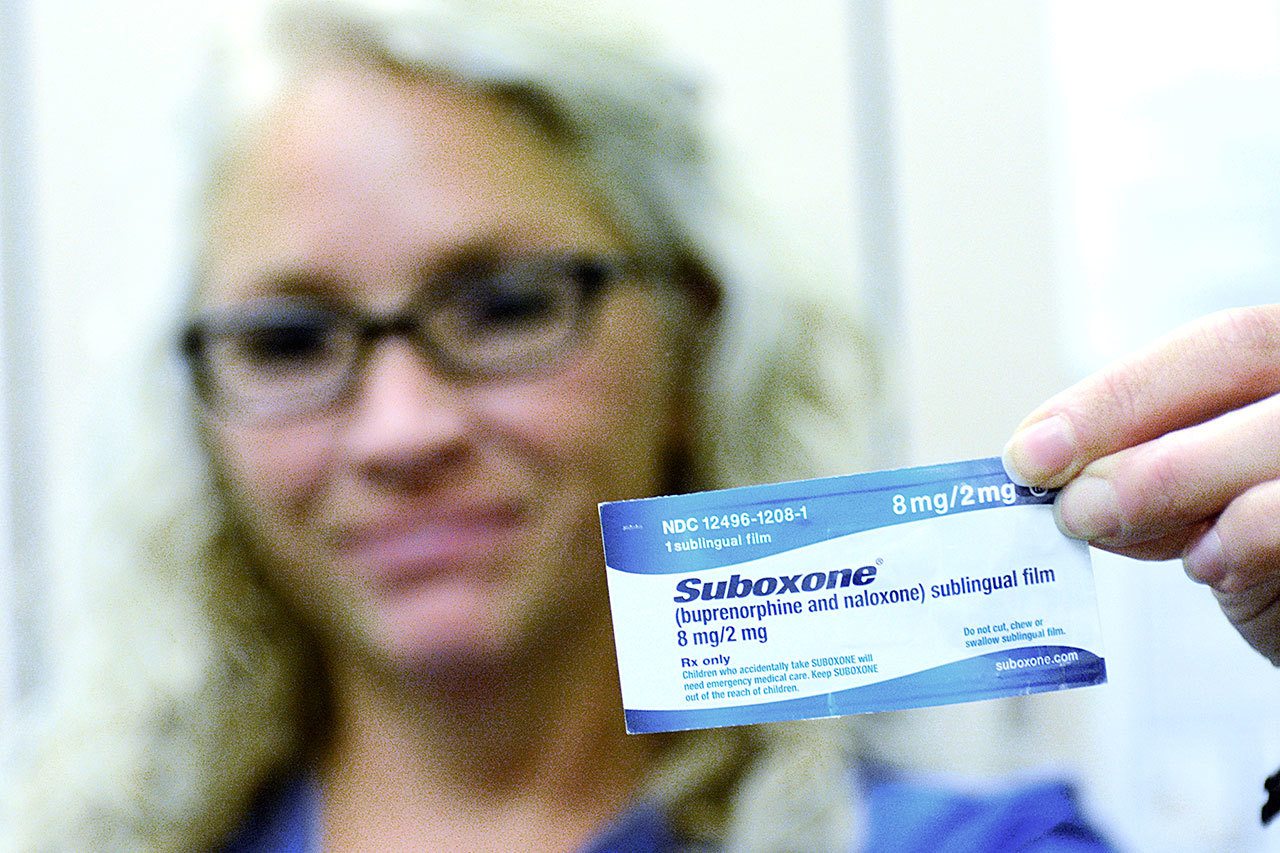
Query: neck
532	744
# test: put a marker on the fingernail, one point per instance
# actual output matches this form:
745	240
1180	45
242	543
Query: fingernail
1205	561
1040	452
1087	509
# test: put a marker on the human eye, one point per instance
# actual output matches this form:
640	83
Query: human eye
508	302
505	306
281	336
511	314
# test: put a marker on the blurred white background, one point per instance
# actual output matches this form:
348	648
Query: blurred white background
1014	192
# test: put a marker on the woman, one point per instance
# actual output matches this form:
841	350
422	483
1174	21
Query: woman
458	284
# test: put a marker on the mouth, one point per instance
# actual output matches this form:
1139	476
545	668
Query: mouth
404	548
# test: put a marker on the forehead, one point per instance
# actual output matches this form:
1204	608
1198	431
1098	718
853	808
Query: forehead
362	174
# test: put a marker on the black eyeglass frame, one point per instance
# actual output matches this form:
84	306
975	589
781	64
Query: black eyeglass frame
594	273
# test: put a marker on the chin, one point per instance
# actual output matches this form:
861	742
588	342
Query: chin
469	631
445	639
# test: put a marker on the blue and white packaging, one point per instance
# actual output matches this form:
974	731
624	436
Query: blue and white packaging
845	595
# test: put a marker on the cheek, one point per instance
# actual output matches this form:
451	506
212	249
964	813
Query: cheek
274	471
603	425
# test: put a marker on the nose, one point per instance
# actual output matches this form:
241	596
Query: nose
406	420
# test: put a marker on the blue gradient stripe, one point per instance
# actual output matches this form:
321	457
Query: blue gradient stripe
634	540
962	681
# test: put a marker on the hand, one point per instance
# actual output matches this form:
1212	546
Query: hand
1175	452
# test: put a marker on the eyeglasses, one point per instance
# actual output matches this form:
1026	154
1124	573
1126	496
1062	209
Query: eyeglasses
282	358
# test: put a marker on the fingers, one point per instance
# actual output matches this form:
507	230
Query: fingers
1176	452
1239	557
1222	362
1256	614
1159	489
1242	549
1169	547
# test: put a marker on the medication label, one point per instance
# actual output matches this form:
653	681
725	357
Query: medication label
845	595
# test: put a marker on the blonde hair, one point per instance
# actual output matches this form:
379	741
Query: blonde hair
194	691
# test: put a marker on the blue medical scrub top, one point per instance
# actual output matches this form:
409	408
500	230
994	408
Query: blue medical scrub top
904	815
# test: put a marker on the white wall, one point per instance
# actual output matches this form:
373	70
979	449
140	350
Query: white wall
981	335
110	116
8	567
15	235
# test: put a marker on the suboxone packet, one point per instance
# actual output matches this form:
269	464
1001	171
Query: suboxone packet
845	595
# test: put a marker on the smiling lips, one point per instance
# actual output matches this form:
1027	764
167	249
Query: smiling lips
404	548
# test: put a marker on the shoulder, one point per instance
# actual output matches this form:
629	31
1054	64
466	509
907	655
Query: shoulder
910	813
